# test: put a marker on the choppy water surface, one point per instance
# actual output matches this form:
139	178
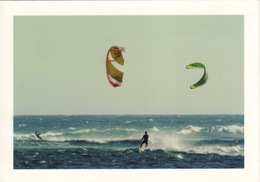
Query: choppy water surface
112	142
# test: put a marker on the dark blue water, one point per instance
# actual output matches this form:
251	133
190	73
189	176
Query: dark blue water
112	142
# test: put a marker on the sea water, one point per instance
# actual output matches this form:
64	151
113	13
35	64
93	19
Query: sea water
113	141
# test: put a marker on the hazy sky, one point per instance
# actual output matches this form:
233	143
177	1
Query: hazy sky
59	64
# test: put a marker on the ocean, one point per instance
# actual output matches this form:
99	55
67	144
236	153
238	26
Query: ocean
113	142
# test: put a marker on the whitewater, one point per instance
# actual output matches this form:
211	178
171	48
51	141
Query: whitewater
113	141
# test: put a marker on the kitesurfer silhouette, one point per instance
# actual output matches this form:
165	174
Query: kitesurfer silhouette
38	135
144	140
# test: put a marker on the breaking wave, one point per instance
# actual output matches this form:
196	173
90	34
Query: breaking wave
189	130
233	129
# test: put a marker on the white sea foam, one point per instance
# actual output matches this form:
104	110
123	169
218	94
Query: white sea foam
24	136
183	143
166	142
52	134
22	125
189	130
179	156
123	129
221	150
83	131
131	130
233	129
155	129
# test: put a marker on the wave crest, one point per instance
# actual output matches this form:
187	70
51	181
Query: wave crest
233	129
221	150
189	130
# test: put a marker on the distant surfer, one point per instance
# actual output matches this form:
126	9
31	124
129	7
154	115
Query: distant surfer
144	140
38	135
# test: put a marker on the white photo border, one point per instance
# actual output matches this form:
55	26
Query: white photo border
250	11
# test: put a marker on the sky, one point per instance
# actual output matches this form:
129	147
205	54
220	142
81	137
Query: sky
59	64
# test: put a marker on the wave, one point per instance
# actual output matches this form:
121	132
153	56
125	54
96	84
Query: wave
236	150
217	150
22	125
232	129
103	142
189	130
24	137
229	129
73	133
223	142
215	146
155	129
82	131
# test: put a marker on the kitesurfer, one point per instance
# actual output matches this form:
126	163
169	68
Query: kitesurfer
144	140
38	135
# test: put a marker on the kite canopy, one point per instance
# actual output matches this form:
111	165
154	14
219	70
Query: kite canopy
203	79
114	63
